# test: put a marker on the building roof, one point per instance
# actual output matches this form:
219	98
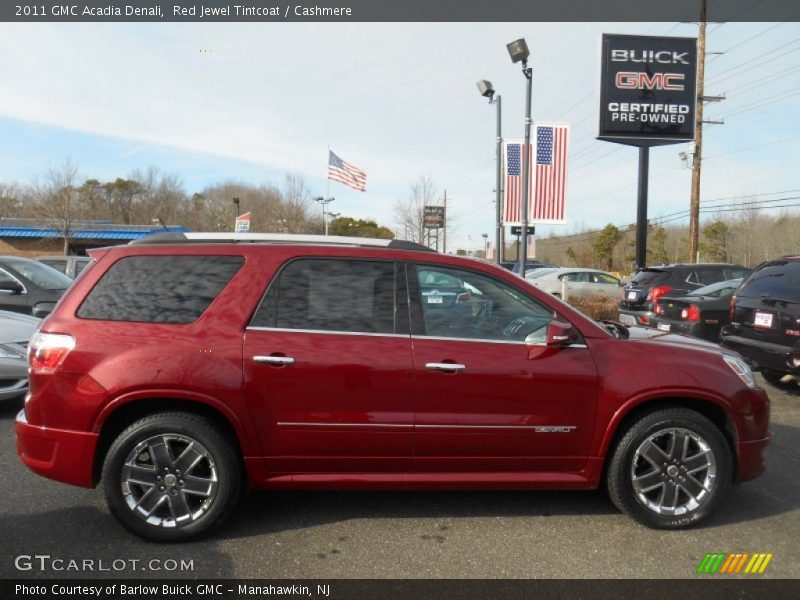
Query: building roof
81	230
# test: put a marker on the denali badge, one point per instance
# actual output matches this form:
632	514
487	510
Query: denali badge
554	428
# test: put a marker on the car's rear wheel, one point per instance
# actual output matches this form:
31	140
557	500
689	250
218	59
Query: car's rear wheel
670	469
171	476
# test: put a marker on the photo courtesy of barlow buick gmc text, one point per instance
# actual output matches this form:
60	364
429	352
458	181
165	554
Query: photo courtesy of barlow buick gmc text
410	299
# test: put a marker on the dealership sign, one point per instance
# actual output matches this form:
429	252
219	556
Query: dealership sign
648	89
433	217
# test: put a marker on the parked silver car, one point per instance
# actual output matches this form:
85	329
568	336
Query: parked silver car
15	331
577	282
70	265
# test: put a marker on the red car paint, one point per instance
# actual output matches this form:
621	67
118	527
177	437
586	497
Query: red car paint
361	411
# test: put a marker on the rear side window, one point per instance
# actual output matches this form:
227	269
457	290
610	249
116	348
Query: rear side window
331	295
648	277
159	289
779	279
709	276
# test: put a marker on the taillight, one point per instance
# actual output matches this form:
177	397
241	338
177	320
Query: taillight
463	298
732	304
656	292
659	309
691	314
46	351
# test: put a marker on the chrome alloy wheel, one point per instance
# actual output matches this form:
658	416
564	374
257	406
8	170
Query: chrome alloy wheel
169	480
673	471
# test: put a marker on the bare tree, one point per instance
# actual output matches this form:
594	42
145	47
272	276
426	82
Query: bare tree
408	212
58	201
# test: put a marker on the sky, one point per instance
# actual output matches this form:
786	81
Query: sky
213	102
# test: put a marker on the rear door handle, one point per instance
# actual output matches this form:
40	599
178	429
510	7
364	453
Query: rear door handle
274	360
445	367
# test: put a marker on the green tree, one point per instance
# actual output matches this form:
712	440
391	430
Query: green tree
657	247
605	244
714	247
348	226
571	255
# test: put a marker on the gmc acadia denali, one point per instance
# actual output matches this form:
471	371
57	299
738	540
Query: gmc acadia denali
182	369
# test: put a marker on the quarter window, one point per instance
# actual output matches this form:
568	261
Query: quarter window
462	304
159	289
332	295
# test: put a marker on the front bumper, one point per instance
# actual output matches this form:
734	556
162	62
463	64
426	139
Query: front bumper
751	458
763	354
16	390
66	456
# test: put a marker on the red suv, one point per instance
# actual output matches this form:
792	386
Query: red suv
181	370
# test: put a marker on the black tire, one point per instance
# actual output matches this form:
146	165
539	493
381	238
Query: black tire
678	421
222	469
774	379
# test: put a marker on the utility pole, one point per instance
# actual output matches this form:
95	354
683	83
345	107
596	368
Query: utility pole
694	206
444	240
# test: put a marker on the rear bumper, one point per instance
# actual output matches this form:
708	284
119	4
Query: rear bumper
751	458
66	456
631	317
763	354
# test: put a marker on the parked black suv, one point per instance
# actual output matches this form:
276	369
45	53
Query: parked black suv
29	287
649	284
765	320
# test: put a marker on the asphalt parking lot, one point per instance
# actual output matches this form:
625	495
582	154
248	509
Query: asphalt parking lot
427	535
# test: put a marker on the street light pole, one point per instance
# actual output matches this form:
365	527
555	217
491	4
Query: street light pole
518	50
486	90
324	203
498	186
526	160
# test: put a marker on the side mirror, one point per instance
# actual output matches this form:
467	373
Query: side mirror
11	287
560	333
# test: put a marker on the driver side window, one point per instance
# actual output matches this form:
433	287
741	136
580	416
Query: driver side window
456	303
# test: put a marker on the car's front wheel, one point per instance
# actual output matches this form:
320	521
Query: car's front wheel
670	469
171	476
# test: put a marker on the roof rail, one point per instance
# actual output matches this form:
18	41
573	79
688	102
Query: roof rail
274	238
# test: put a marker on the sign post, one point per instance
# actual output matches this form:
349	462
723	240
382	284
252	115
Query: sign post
433	219
648	97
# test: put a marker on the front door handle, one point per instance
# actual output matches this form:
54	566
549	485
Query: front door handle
274	360
445	366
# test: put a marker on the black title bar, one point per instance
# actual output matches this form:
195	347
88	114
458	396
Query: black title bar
395	10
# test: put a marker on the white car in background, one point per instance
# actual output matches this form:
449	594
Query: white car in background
577	281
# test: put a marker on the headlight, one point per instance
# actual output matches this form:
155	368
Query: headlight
741	368
8	352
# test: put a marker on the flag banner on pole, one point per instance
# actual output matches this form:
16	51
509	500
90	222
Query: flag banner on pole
345	173
531	246
548	176
489	251
242	223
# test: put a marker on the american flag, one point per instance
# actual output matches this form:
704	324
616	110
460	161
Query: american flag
513	185
548	172
345	173
550	178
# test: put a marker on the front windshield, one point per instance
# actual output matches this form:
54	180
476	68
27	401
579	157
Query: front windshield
719	289
40	275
